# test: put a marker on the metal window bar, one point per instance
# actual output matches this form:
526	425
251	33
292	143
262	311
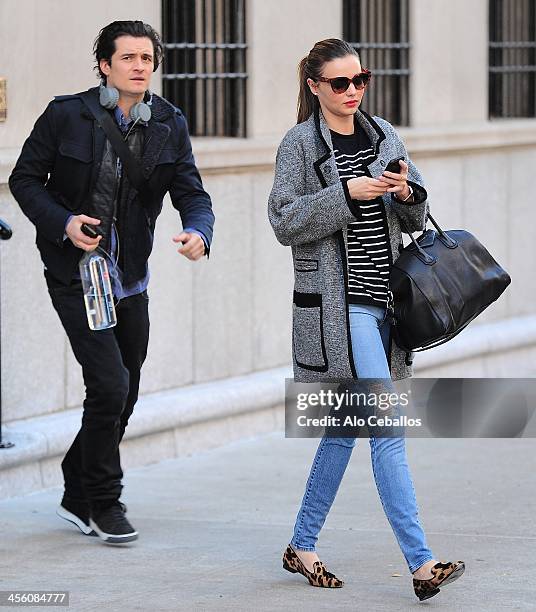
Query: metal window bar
204	72
379	31
512	58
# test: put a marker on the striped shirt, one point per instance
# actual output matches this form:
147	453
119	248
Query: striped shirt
368	238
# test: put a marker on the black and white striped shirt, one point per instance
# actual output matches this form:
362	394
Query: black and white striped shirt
368	238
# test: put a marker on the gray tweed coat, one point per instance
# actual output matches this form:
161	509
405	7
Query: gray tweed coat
309	210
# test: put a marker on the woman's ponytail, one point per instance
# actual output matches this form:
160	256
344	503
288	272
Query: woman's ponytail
306	98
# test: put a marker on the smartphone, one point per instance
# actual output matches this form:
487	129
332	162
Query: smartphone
89	230
394	166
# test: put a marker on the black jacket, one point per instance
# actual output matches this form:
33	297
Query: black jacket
59	164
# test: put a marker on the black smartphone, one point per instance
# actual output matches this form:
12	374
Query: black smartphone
394	166
89	230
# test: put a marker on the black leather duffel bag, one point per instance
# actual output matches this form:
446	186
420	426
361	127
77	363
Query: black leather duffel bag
440	283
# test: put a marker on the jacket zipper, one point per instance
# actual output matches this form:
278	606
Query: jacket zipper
116	206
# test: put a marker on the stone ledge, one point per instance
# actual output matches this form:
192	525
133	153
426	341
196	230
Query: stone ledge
48	436
480	340
470	137
217	155
206	405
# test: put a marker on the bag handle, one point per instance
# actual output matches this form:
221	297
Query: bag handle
447	240
111	129
421	253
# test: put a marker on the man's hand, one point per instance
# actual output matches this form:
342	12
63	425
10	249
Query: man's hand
77	236
193	246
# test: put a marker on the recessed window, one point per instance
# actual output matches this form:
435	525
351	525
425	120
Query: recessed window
512	58
204	70
379	30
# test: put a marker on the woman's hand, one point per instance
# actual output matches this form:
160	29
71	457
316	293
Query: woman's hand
365	188
397	183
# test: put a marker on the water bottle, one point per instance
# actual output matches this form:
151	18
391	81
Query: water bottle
97	290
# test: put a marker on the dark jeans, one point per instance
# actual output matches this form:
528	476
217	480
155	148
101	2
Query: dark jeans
111	361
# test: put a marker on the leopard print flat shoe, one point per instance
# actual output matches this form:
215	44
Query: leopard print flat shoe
443	573
319	577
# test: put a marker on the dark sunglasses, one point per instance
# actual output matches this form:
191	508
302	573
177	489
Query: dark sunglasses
340	84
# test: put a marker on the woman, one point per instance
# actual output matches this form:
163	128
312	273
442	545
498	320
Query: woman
336	205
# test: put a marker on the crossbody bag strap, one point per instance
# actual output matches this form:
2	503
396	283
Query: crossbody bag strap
130	164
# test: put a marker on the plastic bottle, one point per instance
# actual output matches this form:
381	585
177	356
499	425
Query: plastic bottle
97	290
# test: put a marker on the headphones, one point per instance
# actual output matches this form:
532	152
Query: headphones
109	97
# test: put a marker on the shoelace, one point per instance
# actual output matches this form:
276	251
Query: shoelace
116	512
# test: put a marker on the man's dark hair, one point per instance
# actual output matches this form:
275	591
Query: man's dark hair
104	46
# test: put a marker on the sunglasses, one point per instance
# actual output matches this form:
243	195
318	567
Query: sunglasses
340	84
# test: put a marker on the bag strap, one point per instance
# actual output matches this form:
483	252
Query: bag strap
421	253
130	164
447	240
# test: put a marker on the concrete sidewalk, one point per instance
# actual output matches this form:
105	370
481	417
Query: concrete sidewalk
213	527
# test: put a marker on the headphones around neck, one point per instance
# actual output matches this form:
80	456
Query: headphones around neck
109	97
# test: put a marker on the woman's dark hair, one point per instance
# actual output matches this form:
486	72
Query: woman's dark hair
311	67
104	46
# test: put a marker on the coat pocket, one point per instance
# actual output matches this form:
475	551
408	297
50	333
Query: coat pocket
72	172
308	332
306	265
74	150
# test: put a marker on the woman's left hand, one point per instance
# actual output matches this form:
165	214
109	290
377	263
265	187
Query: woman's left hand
399	183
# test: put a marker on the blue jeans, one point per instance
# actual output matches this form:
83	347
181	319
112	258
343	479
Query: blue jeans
369	331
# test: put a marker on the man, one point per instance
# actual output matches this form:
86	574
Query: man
68	174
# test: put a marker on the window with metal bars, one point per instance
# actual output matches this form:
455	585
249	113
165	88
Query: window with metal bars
379	30
512	58
204	70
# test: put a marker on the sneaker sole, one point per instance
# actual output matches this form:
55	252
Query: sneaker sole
111	538
75	520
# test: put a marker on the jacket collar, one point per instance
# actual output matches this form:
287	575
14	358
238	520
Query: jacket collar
322	128
373	130
362	120
160	109
156	132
